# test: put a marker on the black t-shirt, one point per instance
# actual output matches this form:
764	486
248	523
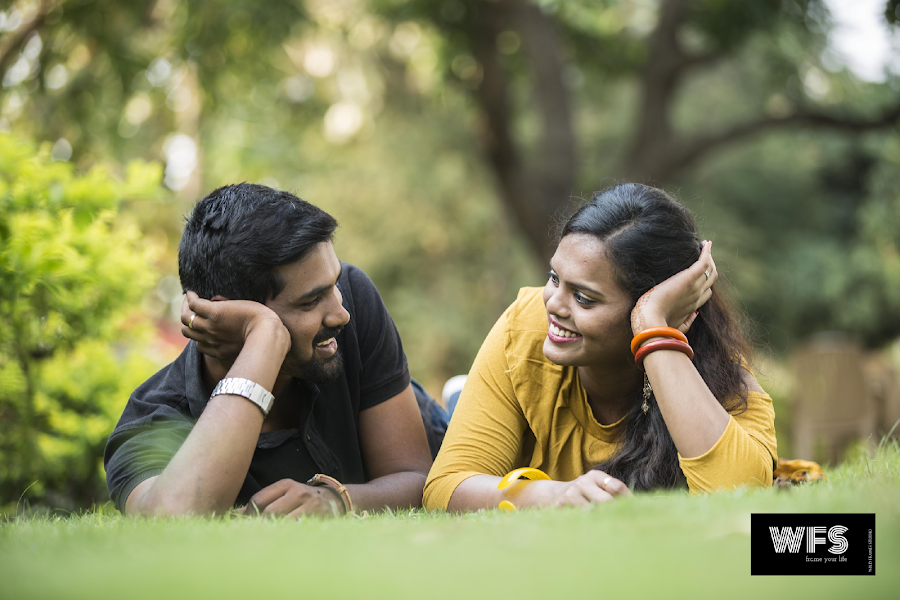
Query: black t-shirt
161	412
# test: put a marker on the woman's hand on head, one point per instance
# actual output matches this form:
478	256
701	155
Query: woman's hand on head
220	326
593	487
675	301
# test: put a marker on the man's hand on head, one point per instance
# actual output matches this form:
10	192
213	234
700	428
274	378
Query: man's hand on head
221	326
293	499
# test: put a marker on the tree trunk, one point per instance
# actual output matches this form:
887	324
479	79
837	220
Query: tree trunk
531	193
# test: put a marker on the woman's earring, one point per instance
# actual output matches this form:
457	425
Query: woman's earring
647	391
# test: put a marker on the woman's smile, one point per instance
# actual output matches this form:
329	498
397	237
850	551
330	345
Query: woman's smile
558	334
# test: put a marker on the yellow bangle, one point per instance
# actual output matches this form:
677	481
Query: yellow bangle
513	476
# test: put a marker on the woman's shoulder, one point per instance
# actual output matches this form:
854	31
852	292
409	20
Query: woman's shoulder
525	327
527	312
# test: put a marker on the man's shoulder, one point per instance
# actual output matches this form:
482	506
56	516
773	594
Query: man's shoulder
374	349
354	280
359	292
167	386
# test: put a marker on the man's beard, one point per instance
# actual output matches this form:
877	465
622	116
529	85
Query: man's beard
321	371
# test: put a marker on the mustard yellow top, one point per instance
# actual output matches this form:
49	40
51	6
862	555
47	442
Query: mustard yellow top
518	409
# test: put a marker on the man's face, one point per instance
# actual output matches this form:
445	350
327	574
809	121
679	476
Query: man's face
311	310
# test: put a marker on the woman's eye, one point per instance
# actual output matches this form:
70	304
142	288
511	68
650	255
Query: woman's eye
583	300
553	278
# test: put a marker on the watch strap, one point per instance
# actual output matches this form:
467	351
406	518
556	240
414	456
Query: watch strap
252	391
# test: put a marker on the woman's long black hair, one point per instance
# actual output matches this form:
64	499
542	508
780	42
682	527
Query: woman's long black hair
649	237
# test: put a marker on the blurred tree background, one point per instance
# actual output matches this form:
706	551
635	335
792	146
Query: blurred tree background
447	136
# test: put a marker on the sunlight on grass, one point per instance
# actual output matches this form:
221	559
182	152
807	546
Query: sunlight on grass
666	544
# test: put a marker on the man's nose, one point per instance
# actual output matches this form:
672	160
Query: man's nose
337	315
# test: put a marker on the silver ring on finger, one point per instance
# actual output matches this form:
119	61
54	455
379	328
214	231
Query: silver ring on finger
191	322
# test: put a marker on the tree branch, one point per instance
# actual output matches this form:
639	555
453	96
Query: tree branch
659	79
532	192
554	163
494	96
671	14
700	59
693	150
16	38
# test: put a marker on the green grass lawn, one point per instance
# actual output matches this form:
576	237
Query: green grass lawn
668	545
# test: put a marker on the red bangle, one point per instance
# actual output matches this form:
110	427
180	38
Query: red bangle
646	349
652	332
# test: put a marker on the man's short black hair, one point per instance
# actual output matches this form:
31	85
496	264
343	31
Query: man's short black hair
238	234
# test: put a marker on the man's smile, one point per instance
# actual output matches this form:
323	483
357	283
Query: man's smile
327	347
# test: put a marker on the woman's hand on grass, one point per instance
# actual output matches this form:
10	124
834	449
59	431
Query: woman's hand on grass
593	487
675	301
220	326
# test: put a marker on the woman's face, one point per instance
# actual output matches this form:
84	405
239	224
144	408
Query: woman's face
587	312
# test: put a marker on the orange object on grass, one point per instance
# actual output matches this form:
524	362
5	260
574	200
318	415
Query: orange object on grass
797	471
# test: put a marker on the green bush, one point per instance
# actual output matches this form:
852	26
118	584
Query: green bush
72	276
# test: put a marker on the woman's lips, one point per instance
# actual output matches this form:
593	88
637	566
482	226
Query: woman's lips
561	335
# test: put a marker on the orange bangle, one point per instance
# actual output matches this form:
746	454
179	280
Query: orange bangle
652	332
646	349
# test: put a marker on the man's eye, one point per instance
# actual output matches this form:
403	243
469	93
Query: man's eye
312	302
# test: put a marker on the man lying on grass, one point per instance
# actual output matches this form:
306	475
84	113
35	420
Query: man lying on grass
294	395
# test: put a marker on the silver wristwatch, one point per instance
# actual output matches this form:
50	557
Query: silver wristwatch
250	390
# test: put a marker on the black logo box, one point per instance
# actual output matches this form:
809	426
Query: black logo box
857	543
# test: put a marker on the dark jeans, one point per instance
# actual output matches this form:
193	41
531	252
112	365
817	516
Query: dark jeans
434	417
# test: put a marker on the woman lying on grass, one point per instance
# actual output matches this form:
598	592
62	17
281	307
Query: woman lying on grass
556	385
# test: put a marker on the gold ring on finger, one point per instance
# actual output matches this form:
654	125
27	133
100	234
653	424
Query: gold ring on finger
191	322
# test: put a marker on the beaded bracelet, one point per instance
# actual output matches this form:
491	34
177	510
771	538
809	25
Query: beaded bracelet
327	481
650	347
652	332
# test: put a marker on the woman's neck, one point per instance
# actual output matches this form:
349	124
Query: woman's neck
610	390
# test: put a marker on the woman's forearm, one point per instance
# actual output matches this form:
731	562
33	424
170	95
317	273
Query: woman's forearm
693	416
481	491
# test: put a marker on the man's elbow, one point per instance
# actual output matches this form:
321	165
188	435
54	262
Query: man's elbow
413	486
417	487
148	501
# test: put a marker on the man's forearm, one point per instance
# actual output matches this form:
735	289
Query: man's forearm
207	472
396	491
